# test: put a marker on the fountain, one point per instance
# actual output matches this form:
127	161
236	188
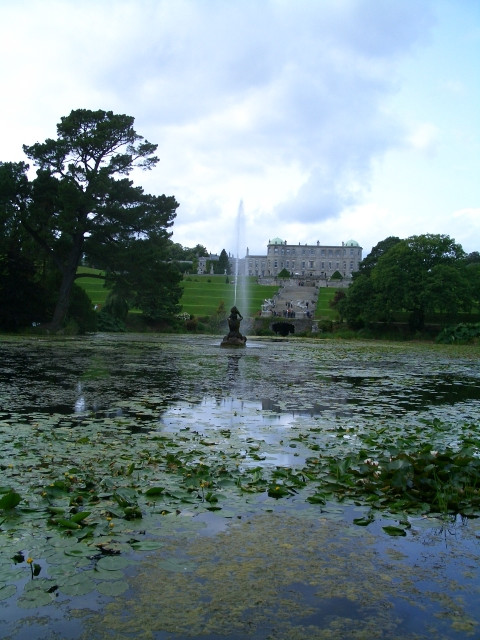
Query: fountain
241	283
234	338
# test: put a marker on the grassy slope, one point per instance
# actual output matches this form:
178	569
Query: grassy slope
93	286
203	294
323	310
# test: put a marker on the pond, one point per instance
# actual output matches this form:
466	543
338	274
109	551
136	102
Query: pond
162	487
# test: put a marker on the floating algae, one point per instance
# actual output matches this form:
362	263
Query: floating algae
286	576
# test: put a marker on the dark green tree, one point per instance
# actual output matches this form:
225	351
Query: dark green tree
141	276
473	274
359	305
448	289
83	203
223	264
473	257
186	258
370	262
420	275
402	275
24	299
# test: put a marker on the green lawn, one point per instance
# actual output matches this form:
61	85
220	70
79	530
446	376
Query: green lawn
94	287
323	310
203	294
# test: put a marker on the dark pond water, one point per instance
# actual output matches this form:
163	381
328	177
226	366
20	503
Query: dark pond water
94	423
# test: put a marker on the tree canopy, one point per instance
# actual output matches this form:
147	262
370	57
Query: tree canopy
419	275
223	263
83	204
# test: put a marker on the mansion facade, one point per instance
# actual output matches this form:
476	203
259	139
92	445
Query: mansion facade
304	260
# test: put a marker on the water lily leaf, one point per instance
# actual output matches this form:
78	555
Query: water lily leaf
79	550
68	524
6	591
154	491
394	531
103	574
78	585
81	515
37	593
364	521
10	500
126	497
112	588
147	545
113	563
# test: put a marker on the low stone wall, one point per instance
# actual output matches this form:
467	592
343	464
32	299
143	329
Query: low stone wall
300	324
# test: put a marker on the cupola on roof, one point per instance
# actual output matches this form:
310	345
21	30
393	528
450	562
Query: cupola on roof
275	241
352	243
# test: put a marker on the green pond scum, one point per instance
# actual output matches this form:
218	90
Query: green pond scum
160	487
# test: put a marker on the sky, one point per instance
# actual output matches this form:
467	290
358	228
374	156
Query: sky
308	120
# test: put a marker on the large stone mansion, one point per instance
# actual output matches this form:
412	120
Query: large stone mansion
304	260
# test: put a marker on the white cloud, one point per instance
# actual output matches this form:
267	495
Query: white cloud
424	137
289	106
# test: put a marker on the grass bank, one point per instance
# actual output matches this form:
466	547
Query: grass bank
202	295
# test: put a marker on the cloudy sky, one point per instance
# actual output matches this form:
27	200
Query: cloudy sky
330	120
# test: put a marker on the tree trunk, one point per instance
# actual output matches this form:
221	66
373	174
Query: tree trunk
69	273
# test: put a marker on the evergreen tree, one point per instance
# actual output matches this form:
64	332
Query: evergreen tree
82	202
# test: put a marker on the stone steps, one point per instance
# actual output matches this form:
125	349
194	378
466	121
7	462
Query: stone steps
296	301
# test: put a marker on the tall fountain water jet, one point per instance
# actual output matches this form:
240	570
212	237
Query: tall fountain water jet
234	337
241	298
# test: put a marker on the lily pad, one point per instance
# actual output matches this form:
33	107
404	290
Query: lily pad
7	590
394	531
113	563
147	545
78	584
10	500
37	593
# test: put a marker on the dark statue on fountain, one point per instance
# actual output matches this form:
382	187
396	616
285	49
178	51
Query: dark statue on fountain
234	337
